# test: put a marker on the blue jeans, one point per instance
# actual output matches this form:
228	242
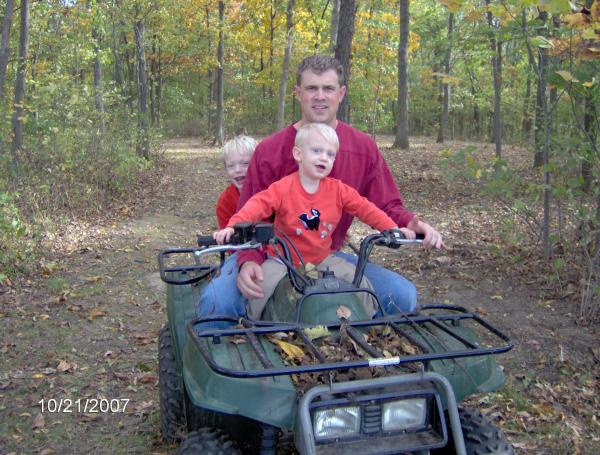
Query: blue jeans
395	293
222	297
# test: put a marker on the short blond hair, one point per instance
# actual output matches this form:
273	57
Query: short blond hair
327	132
244	145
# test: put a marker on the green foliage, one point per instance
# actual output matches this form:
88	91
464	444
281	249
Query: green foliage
495	179
15	244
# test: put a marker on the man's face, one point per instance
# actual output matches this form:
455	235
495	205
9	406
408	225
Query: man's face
320	96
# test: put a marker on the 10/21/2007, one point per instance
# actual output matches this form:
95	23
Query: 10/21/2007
84	405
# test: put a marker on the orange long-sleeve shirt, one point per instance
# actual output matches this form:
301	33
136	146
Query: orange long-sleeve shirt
309	219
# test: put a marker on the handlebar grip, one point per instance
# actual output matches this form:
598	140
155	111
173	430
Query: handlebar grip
206	240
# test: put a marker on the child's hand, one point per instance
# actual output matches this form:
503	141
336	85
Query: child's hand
223	235
409	234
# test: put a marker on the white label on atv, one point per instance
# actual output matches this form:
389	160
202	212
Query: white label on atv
384	362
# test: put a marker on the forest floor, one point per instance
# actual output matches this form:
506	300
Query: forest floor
85	327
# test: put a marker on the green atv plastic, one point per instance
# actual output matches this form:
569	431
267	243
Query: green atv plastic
231	390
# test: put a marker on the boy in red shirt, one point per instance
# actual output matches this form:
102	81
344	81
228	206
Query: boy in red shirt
236	157
308	205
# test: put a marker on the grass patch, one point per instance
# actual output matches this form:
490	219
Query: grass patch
514	396
57	285
89	291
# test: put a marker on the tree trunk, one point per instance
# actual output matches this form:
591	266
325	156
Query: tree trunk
542	140
540	101
335	20
98	91
498	100
131	76
374	109
272	15
98	95
589	121
19	113
209	73
476	130
496	49
152	82
117	59
545	162
34	61
4	44
402	118
445	85
526	124
373	64
158	88
220	59
143	143
343	50
285	71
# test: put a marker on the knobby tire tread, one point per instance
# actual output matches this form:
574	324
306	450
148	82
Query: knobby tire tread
208	441
172	412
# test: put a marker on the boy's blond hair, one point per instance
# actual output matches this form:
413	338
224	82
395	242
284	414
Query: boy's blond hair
244	145
327	132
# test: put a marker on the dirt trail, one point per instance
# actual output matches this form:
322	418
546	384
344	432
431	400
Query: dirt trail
86	328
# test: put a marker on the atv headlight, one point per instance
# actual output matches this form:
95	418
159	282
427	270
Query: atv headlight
336	422
404	414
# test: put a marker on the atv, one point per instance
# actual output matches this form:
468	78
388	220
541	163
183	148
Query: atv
318	374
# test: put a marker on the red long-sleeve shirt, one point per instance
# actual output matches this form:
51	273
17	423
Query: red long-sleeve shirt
358	163
227	205
310	220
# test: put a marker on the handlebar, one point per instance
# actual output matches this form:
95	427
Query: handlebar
254	235
392	238
242	233
197	267
206	240
246	236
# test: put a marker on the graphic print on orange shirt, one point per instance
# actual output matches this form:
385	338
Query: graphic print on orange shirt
311	222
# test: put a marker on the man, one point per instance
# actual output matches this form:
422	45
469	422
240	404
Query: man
320	89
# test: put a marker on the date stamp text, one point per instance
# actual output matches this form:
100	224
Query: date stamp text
84	405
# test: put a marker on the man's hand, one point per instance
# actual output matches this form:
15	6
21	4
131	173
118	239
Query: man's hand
248	278
432	237
409	234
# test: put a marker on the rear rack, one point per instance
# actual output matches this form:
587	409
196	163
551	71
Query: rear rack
418	329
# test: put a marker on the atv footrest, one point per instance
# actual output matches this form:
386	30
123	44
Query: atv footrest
450	332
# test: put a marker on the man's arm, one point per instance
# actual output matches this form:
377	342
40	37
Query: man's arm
381	189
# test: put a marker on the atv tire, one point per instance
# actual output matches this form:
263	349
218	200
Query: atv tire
481	435
170	383
208	441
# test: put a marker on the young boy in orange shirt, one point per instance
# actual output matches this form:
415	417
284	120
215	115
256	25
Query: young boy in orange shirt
308	206
236	157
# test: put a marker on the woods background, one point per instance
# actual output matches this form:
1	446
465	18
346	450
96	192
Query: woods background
88	89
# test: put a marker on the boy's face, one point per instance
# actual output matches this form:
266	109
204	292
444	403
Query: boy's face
236	167
320	96
315	157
